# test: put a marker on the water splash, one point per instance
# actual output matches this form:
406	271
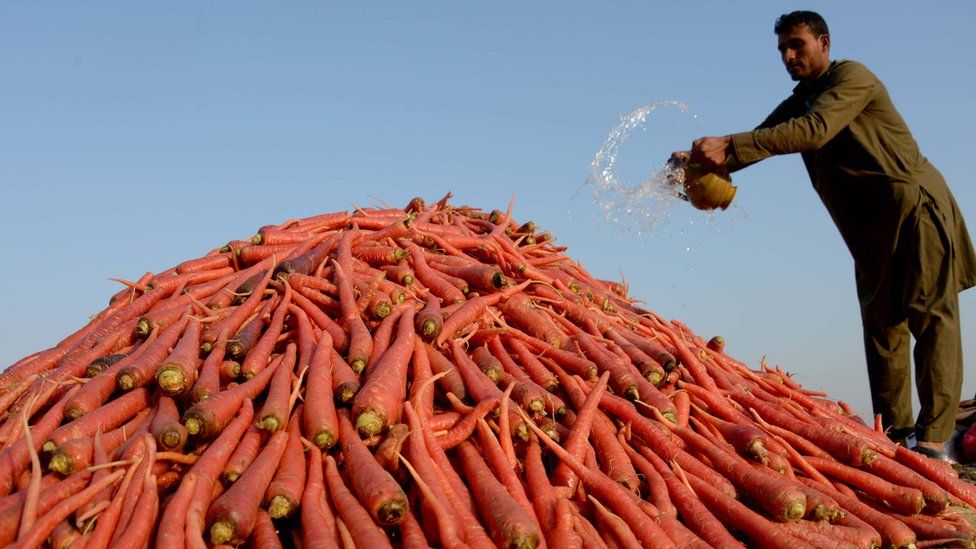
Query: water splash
648	203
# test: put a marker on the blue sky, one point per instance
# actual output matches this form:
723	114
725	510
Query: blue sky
137	136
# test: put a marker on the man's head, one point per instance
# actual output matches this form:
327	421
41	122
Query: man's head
804	44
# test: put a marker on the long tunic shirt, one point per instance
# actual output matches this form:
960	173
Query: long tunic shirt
874	181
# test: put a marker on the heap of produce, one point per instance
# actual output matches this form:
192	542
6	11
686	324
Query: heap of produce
439	376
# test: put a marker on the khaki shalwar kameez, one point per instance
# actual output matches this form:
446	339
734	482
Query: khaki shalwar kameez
912	252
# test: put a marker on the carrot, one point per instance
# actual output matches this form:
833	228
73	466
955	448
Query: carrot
624	502
936	498
893	533
576	442
159	319
285	491
243	341
518	310
430	321
140	526
107	417
360	341
141	371
451	382
434	492
380	400
275	411
257	358
43	527
171	530
78	453
208	417
231	516
345	382
508	523
903	500
166	427
399	273
363	530
379	493
533	367
382	337
322	320
461	430
470	311
233	322
488	364
320	421
317	518
208	380
308	261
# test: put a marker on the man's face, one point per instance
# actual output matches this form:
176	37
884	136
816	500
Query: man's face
805	55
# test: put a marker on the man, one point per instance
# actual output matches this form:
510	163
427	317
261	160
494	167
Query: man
912	252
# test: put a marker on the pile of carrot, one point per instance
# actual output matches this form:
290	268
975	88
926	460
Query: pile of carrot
435	375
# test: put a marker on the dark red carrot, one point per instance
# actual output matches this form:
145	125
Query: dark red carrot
166	427
209	417
540	491
364	532
482	277
243	341
317	518
257	358
275	411
508	523
308	261
449	515
233	322
380	400
107	417
177	373
99	388
379	493
285	491
231	516
499	460
487	363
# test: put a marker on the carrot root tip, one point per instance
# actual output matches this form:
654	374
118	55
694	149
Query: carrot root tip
536	406
49	446
280	507
74	413
269	423
60	463
357	365
193	425
126	382
206	347
143	328
369	423
221	532
171	439
324	440
392	512
170	380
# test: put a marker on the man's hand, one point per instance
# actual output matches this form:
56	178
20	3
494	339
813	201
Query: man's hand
679	157
711	152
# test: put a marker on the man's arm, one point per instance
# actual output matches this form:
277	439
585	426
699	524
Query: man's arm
717	152
851	88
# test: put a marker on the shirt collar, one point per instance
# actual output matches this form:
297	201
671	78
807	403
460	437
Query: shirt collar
803	87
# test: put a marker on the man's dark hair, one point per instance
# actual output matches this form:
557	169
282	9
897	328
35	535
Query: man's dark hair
787	22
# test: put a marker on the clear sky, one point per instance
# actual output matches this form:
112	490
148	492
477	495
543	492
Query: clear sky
134	136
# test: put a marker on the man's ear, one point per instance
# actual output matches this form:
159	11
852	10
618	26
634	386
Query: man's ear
825	42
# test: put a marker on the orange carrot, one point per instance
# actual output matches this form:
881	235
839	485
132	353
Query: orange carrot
317	518
380	401
177	373
364	532
285	491
275	411
231	516
378	492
